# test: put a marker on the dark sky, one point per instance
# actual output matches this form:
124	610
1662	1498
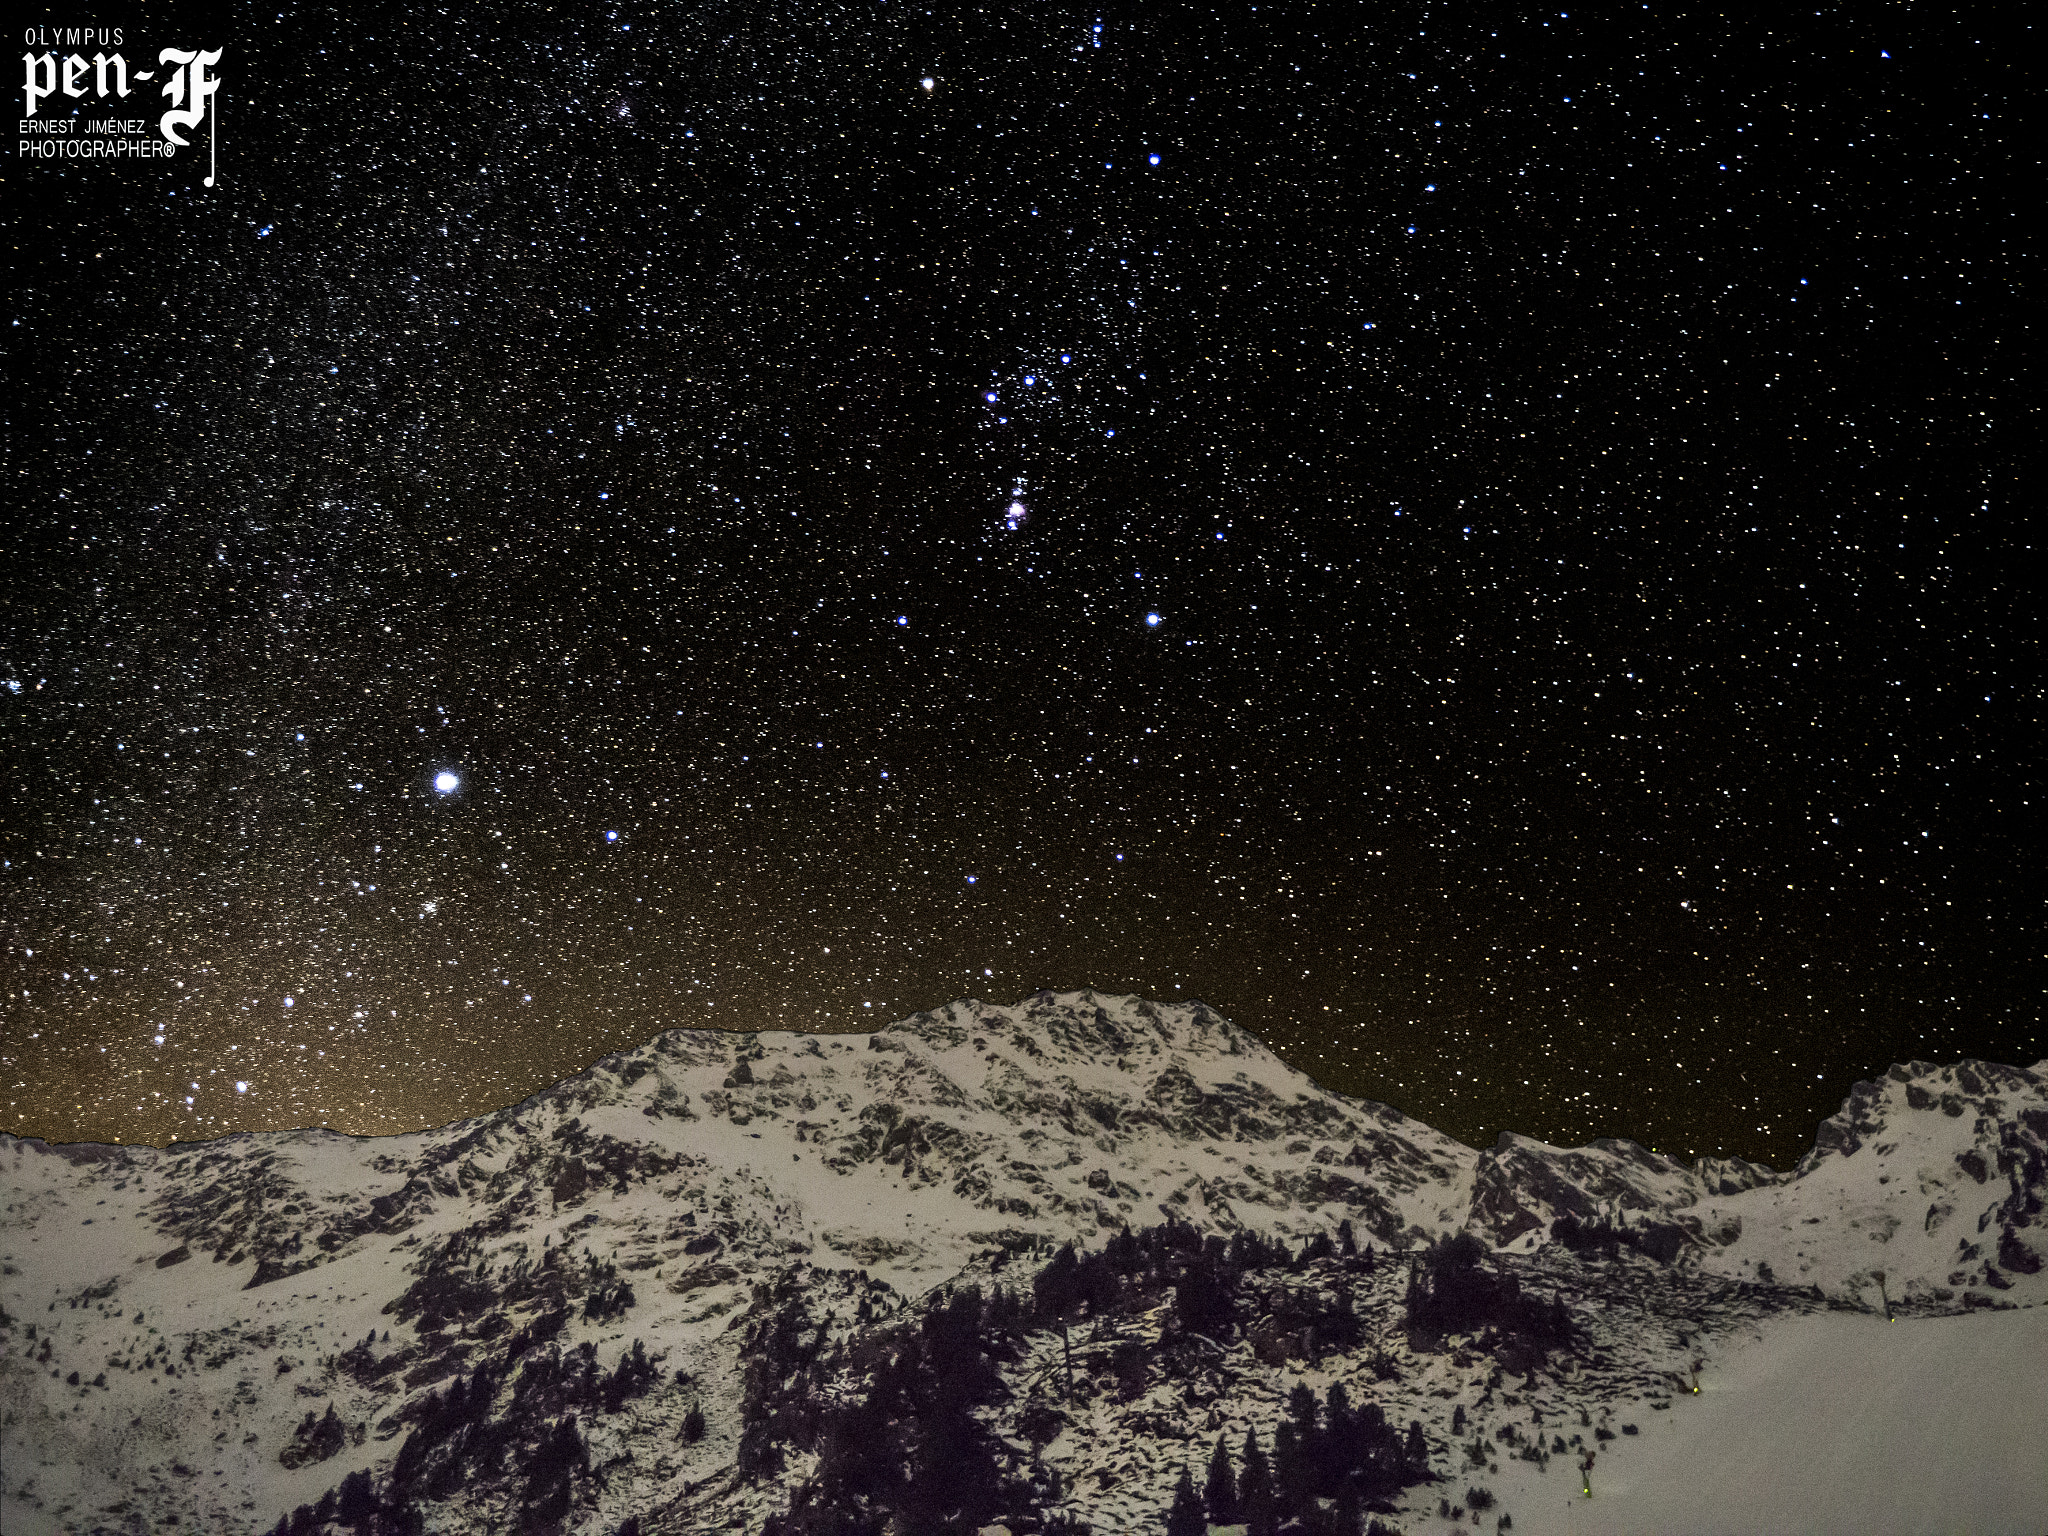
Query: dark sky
1485	543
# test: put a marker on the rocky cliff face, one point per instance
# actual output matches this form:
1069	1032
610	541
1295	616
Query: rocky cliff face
224	1331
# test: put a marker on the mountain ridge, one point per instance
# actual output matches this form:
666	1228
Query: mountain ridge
703	1168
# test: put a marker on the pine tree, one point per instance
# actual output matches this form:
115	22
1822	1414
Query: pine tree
1301	1408
1058	1290
1185	1517
1256	1505
1335	1449
357	1501
1291	1469
1220	1492
1201	1296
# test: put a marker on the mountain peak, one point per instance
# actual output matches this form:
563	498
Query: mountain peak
678	1182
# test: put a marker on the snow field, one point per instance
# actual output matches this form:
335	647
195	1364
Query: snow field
1834	1424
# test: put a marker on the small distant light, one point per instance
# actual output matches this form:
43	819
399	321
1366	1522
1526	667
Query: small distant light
604	495
241	1087
1119	858
611	837
288	1002
1066	357
302	734
447	783
1151	620
928	82
1430	187
903	620
990	397
1154	159
1032	378
971	879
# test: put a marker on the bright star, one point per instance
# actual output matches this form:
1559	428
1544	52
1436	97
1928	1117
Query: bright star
1151	620
611	837
446	782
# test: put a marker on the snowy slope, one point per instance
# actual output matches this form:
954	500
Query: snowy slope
1830	1425
209	1296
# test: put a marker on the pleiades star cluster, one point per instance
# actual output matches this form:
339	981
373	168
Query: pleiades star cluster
1485	543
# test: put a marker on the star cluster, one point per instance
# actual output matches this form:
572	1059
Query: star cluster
1484	544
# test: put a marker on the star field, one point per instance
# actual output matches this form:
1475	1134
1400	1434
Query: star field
1485	544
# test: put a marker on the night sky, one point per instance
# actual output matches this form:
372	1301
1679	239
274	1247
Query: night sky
1486	544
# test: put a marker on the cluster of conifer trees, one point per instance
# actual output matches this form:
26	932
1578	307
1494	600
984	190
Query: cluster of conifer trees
1329	1462
458	1441
1662	1241
1448	1292
1205	1275
906	1453
908	1450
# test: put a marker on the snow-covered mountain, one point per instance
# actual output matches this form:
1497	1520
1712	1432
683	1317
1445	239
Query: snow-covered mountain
218	1333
